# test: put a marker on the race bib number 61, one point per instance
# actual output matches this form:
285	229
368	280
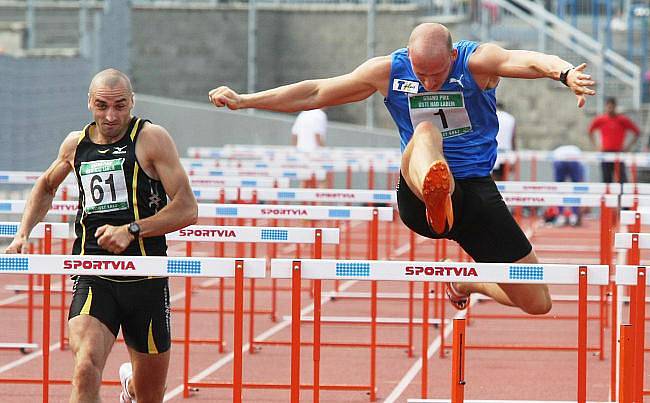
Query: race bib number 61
104	186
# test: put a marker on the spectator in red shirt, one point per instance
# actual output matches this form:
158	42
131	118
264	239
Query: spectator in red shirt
613	129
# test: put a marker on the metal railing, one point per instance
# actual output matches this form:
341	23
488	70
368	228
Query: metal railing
527	21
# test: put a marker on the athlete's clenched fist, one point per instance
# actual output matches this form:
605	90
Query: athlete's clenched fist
224	96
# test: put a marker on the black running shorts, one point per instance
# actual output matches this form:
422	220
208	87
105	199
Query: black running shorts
141	308
483	225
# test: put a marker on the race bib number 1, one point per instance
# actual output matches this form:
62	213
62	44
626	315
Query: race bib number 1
445	109
104	186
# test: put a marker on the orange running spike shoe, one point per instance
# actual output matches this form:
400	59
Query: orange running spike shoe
437	199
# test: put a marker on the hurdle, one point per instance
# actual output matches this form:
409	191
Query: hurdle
559	187
367	160
633	275
29	177
373	270
352	213
132	266
633	160
631	384
43	232
607	203
276	235
274	153
295	173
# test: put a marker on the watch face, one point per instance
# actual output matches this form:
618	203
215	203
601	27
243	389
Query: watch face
134	228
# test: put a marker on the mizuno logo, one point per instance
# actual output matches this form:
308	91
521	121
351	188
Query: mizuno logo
103	151
119	150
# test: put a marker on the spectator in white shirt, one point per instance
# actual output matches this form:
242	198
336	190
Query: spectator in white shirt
505	139
309	130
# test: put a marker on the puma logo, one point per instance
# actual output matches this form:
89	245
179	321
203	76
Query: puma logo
457	81
119	150
103	151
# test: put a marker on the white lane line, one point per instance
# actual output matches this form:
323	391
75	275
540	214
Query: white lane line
263	336
22	296
27	358
12	299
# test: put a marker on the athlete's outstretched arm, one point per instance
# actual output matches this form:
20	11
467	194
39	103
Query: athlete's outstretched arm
157	152
40	198
357	85
491	60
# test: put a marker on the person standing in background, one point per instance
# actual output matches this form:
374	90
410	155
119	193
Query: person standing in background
613	129
309	130
506	140
567	164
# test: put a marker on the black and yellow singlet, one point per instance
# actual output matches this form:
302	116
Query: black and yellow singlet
113	189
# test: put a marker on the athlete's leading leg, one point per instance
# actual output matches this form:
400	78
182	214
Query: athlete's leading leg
91	342
428	176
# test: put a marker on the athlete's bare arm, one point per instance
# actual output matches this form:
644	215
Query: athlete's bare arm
370	77
490	61
40	199
157	154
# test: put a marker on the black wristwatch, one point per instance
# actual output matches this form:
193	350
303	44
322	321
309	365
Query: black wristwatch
564	75
134	229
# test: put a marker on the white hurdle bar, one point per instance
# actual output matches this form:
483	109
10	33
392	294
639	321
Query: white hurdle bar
421	271
636	188
559	187
326	164
29	177
259	211
635	219
568	200
210	233
128	266
296	195
58	230
262	194
239	181
297	173
280	211
635	201
135	266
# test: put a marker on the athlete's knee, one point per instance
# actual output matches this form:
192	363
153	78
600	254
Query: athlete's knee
426	130
539	305
87	374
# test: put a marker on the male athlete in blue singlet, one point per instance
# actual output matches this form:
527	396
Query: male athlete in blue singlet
442	98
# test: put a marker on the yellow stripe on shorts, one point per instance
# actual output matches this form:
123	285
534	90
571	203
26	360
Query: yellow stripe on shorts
85	310
151	343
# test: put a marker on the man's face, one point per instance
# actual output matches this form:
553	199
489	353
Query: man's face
610	108
433	74
111	109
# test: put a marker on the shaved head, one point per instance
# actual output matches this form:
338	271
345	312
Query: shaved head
110	78
432	54
430	41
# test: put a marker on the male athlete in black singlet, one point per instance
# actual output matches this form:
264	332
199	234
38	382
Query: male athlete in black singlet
126	168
